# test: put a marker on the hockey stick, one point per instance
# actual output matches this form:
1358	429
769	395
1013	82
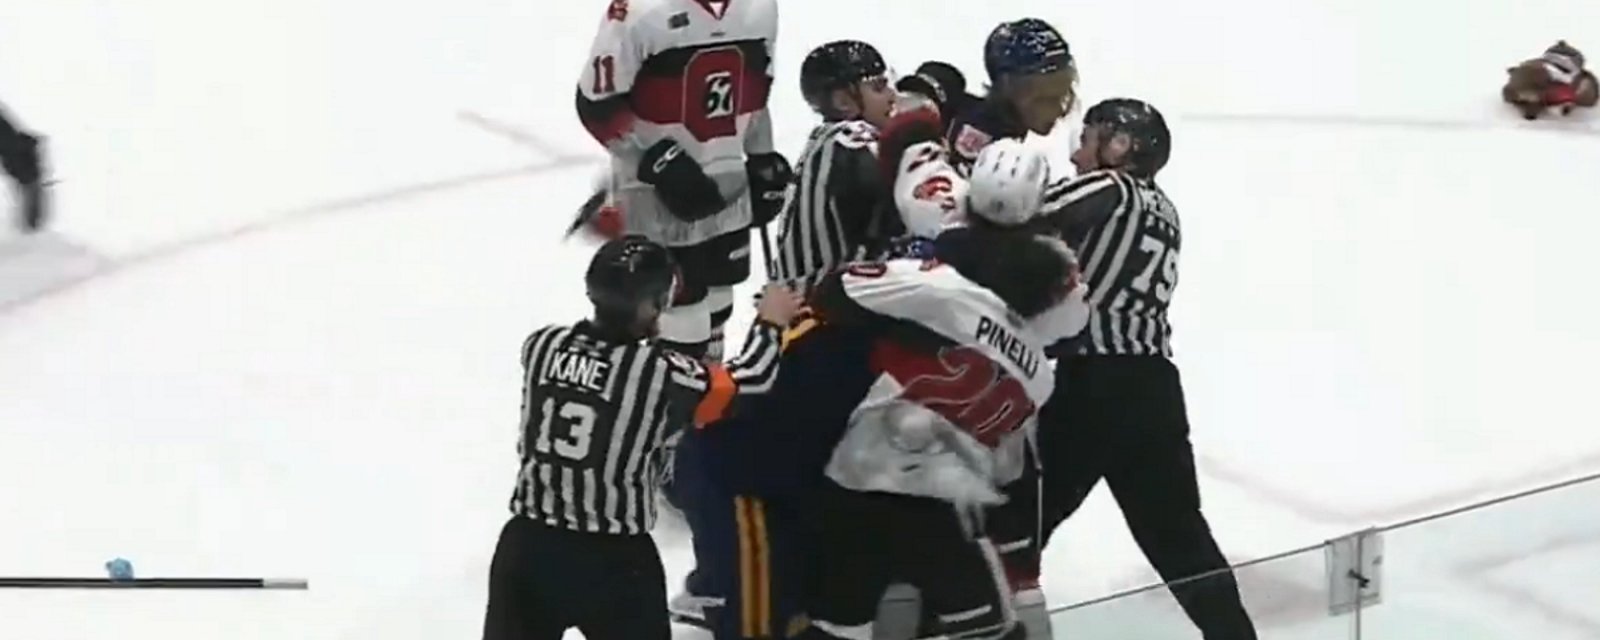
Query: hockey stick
766	252
299	584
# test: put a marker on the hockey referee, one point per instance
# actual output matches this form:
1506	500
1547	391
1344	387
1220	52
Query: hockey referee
600	400
1118	410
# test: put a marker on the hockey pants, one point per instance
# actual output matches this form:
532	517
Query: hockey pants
1123	419
750	563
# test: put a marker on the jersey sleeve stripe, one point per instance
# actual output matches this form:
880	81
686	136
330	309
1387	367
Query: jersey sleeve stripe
714	404
1066	192
607	120
757	367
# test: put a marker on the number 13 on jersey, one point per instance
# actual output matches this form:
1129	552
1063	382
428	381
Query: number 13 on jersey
565	432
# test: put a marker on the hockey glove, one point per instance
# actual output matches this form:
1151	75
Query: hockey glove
769	175
21	160
680	182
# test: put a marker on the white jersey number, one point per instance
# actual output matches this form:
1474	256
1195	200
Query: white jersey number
576	424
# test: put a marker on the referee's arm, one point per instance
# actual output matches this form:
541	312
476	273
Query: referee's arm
1075	205
719	385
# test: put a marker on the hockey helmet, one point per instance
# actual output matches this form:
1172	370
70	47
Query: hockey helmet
1007	183
1025	47
1144	126
628	273
838	65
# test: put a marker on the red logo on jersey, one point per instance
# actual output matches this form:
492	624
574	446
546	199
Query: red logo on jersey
971	141
936	188
962	384
618	10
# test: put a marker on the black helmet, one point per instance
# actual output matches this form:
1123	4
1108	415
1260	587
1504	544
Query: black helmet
837	65
629	272
1143	124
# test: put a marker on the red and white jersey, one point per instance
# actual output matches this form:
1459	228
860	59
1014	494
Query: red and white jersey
696	71
928	191
949	417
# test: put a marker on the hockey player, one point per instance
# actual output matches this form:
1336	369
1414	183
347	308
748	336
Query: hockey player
1008	187
752	479
959	369
676	91
20	156
835	213
1032	85
1118	411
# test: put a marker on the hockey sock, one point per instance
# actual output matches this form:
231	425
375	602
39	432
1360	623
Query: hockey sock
1033	613
686	328
899	613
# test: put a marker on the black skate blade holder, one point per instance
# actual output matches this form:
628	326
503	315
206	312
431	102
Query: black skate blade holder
292	584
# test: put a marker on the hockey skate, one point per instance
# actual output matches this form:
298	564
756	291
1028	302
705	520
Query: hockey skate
688	607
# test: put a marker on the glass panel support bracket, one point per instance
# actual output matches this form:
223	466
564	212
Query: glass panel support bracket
1355	572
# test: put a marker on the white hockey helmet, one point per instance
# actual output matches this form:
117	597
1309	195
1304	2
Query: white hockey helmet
1007	183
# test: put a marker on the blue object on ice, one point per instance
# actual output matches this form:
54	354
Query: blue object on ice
119	569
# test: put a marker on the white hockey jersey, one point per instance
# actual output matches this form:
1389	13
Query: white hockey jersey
949	422
928	191
696	71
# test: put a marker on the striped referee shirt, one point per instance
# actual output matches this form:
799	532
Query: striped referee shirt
596	414
1126	232
831	216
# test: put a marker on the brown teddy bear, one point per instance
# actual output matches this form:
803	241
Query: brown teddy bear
1556	80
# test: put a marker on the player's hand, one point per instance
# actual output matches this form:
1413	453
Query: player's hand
779	305
680	182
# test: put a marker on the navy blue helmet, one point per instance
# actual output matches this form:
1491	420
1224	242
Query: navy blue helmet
1143	124
1026	47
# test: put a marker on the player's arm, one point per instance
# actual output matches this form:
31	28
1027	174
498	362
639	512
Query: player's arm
1074	205
719	386
606	84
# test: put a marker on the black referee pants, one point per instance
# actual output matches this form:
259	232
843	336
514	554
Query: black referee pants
545	580
1123	419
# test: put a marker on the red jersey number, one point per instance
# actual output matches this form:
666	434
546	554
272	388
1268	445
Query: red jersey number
713	87
964	386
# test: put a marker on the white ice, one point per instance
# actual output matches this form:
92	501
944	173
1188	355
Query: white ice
275	331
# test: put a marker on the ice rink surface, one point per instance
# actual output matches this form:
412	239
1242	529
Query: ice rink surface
275	331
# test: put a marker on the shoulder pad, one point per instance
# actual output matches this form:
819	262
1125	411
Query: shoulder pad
855	134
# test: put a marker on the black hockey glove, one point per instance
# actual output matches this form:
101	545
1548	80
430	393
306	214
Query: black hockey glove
769	175
21	159
680	182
